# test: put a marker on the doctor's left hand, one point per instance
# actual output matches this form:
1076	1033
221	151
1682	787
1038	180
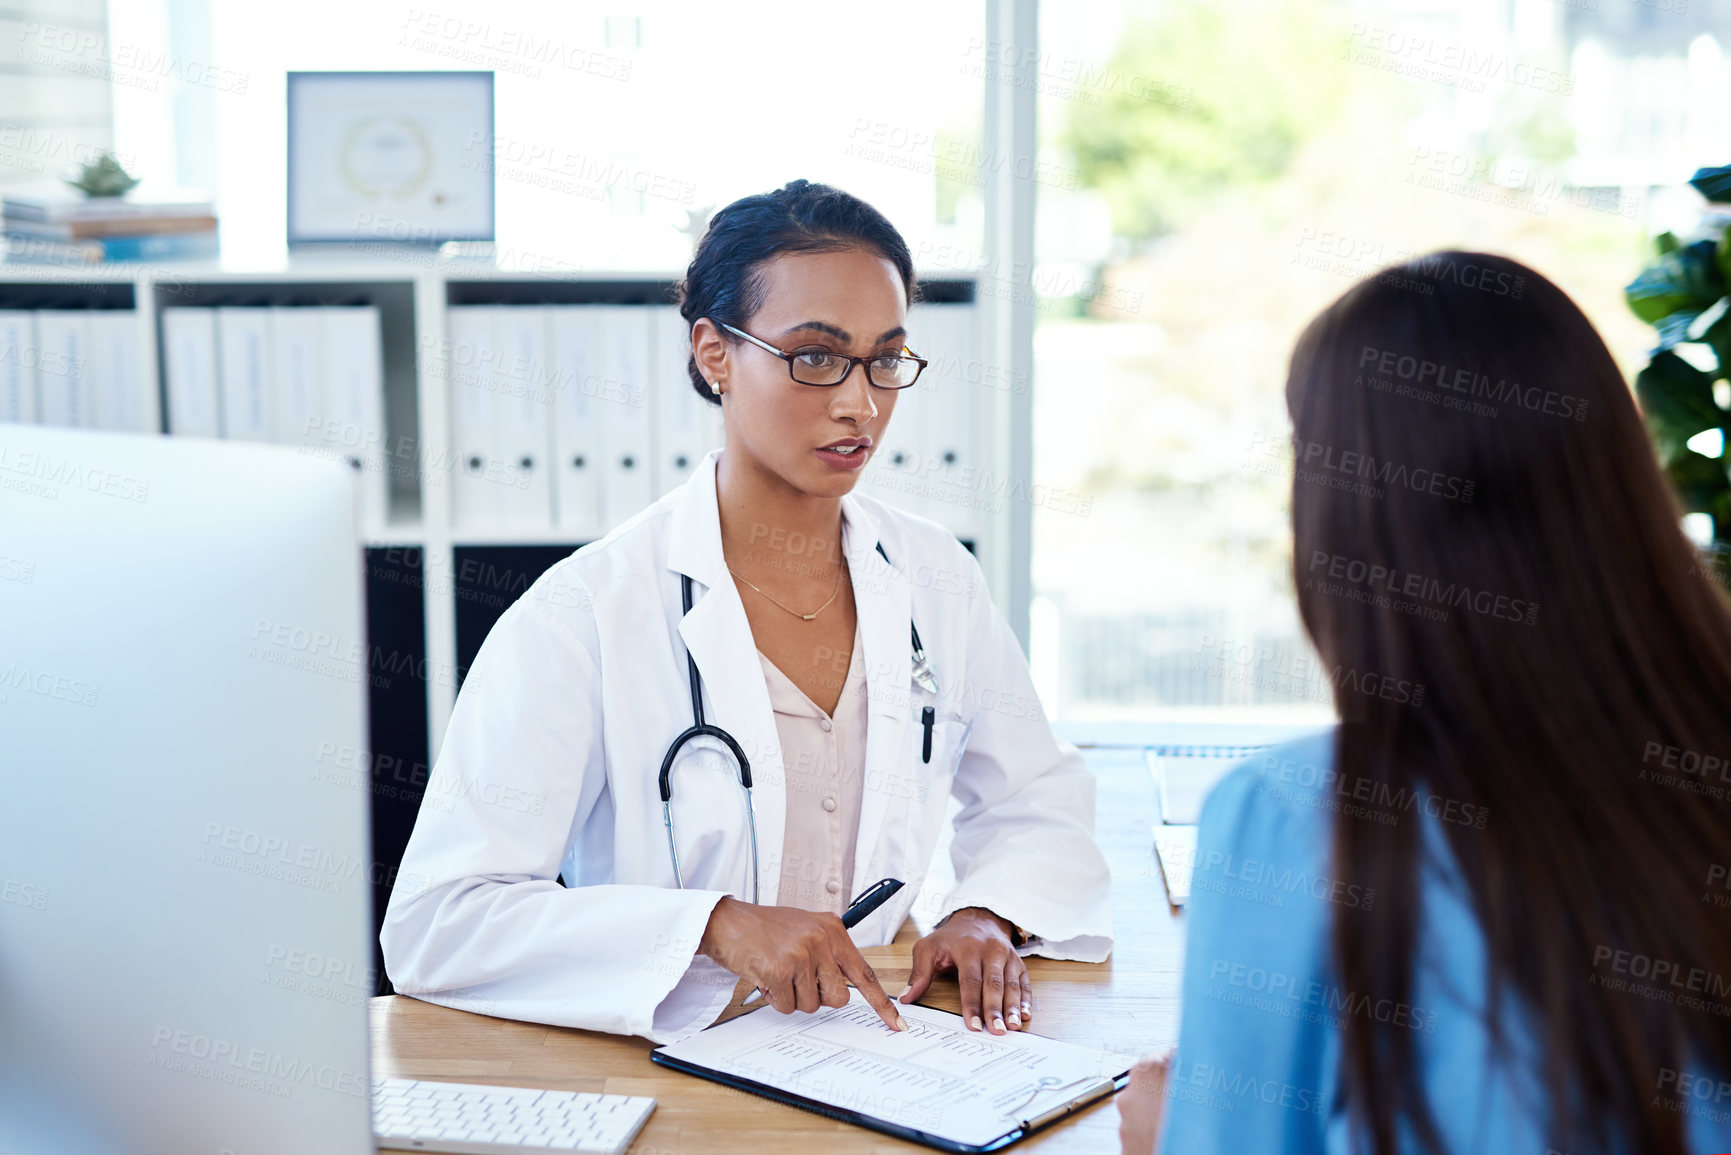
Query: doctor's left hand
992	976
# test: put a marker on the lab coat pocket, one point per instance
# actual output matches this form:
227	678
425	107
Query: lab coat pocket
939	738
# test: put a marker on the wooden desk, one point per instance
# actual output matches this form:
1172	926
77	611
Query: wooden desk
1127	1004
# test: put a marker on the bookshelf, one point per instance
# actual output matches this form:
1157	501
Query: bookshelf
942	464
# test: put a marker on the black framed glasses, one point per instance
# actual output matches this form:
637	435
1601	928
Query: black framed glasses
817	366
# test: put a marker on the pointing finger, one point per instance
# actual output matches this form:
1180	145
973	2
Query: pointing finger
854	965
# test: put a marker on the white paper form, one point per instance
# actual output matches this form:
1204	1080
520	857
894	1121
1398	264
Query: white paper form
937	1076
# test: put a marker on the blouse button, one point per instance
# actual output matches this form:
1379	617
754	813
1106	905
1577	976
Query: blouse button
829	804
833	886
825	725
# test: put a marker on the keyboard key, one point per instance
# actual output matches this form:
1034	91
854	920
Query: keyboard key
433	1114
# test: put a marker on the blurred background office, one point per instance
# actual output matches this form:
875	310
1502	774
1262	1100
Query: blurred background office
1208	175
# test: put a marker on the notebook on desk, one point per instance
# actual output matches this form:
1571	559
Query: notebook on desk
937	1083
1183	777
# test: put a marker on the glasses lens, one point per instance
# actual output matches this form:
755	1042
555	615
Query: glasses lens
819	367
894	372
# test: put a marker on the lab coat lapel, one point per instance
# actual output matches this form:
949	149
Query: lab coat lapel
883	599
718	637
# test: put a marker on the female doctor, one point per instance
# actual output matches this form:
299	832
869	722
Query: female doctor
555	886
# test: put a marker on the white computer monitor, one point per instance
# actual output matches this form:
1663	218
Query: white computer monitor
185	934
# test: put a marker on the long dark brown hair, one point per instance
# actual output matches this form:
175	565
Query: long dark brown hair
1513	548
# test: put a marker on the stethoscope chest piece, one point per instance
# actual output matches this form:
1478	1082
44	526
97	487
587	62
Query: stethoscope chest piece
924	678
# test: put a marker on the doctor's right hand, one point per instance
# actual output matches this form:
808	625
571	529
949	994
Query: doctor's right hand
801	959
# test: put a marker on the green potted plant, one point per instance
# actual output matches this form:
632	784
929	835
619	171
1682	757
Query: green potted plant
1683	295
103	177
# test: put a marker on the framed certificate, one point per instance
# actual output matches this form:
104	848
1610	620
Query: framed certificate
402	157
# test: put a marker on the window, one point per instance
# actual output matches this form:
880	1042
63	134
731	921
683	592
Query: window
1255	158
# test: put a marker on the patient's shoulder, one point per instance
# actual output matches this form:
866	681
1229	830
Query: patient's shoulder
1278	805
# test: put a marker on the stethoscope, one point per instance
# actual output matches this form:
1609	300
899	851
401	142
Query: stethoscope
923	677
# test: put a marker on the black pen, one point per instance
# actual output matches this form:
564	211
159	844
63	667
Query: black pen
875	896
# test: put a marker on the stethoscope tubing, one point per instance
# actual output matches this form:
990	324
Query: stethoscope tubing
701	729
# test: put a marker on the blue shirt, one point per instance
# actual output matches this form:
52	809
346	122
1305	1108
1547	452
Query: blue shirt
1259	1051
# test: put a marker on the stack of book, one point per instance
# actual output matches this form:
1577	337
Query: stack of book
65	227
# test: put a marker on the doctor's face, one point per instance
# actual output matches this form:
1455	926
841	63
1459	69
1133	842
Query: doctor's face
816	439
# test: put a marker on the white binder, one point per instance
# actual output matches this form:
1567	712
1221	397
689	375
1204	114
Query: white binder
682	425
189	358
116	375
354	377
18	356
525	414
245	360
947	433
475	474
297	376
893	475
626	397
63	368
574	333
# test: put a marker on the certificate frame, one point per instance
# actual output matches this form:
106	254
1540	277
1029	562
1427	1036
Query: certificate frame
312	217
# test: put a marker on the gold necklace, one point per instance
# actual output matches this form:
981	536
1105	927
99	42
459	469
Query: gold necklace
790	609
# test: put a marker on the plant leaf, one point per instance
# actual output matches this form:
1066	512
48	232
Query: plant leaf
1720	508
1700	482
1686	280
1677	399
1713	183
1718	335
1674	329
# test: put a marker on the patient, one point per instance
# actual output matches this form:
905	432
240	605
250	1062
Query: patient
1490	912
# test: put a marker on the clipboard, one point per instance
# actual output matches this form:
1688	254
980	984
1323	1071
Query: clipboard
1045	1106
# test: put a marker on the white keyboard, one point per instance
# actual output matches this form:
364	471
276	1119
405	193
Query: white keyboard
471	1119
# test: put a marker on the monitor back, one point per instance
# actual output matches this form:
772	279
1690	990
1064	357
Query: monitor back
184	884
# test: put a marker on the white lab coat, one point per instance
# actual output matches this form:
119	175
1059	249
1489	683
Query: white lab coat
551	760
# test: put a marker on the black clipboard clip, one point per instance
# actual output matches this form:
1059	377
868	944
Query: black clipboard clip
1093	1088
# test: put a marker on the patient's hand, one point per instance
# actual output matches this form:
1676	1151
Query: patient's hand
1142	1104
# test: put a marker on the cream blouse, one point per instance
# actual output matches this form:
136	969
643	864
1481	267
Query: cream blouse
824	761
